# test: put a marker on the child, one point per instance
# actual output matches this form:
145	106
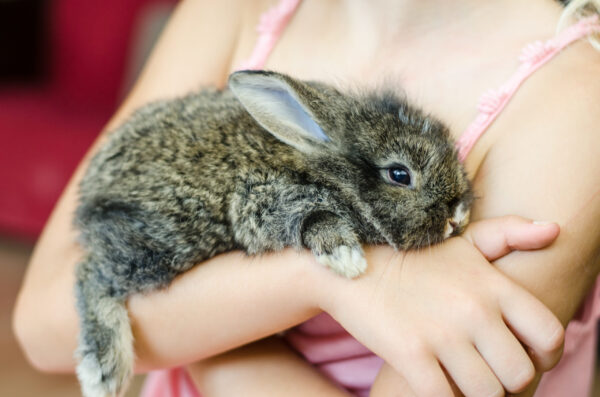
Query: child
538	159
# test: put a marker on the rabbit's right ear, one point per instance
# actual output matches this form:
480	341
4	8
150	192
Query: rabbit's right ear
277	103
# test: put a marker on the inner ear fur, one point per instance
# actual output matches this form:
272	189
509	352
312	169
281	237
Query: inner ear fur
281	105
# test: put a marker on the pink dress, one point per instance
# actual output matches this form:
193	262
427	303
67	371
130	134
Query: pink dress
325	344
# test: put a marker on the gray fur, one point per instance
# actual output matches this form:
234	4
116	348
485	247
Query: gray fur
189	178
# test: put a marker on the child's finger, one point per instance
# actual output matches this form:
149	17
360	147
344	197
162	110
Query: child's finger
534	325
497	237
471	373
506	357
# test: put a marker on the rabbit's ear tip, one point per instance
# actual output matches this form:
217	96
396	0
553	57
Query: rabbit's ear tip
236	76
242	76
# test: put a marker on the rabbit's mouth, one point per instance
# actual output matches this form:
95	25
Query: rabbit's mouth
458	222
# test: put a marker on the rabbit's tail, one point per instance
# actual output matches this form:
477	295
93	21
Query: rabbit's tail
105	351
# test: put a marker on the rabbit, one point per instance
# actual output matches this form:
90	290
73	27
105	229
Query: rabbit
270	162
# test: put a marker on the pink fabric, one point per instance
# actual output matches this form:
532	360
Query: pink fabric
340	357
269	29
573	376
174	382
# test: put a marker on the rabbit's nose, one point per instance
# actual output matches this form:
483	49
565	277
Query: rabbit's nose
450	227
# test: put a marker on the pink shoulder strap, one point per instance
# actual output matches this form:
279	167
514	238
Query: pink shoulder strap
532	58
270	27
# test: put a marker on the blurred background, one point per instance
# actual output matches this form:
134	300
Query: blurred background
64	67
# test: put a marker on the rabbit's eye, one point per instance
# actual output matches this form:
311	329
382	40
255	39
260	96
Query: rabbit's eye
399	176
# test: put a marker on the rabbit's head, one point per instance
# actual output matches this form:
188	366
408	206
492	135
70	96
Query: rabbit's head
398	166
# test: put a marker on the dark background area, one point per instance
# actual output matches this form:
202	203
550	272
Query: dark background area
23	30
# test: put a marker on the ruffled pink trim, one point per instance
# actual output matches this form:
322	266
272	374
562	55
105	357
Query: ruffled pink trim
173	382
270	27
532	58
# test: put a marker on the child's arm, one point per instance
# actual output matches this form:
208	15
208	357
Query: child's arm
549	168
231	300
264	368
494	240
270	368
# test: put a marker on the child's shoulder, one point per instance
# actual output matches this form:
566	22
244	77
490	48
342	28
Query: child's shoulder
564	95
558	105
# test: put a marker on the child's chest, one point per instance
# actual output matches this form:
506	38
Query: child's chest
317	45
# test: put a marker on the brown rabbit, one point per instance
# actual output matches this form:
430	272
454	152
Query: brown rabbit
272	162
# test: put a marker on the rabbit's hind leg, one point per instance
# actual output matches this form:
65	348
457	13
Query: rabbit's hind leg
105	350
334	243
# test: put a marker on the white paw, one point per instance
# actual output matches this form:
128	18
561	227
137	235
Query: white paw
108	375
346	261
108	380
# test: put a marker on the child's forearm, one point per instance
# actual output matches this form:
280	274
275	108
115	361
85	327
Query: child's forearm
264	368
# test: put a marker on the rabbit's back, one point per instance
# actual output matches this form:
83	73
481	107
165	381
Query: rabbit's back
155	198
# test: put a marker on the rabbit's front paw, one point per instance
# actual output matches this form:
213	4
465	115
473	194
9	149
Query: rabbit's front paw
346	261
335	244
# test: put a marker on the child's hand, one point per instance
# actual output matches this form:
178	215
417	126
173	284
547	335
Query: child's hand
445	306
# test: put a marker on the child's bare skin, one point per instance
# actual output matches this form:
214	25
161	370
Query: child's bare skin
445	54
270	368
264	368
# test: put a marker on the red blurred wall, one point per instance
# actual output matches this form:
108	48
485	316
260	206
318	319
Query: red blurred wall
47	125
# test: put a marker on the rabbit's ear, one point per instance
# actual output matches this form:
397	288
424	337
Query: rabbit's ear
279	107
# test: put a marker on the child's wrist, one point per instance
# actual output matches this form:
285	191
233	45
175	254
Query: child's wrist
314	284
303	278
333	293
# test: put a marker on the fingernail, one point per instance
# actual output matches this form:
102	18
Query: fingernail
541	223
499	392
525	377
556	337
